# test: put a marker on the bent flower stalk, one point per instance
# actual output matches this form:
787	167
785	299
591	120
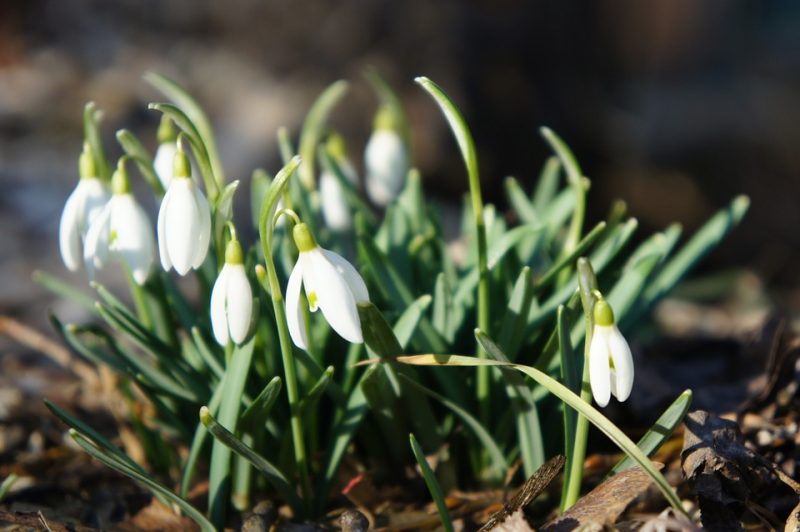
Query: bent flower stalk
610	360
83	205
184	221
231	299
331	284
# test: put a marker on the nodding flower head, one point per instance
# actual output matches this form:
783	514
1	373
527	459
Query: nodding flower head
385	159
82	207
231	298
610	360
121	231
184	221
331	284
335	209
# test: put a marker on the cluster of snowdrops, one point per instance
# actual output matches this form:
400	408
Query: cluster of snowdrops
530	295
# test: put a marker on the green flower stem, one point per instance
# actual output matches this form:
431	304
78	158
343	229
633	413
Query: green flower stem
467	147
573	476
266	225
140	301
291	376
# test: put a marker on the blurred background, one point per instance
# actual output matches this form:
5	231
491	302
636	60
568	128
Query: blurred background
673	105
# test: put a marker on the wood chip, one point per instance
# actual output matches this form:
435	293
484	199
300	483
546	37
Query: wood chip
532	488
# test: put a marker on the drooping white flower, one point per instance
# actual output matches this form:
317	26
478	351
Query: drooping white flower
610	359
231	299
82	207
331	284
335	209
385	159
163	162
121	231
184	221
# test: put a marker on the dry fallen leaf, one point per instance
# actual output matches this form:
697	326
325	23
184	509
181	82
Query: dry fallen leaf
726	476
603	505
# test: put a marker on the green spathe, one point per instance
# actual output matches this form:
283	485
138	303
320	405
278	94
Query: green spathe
166	130
303	238
180	164
603	313
86	165
120	183
233	253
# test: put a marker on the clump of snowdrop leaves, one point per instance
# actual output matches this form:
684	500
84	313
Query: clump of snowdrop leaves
122	231
82	207
286	394
184	220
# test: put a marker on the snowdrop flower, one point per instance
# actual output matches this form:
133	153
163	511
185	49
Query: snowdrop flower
610	360
331	283
184	221
165	153
122	231
231	298
82	207
335	209
385	159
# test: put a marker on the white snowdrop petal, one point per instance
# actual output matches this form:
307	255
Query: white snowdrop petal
386	163
309	281
334	205
96	195
294	313
623	365
219	321
163	251
95	246
350	275
334	296
180	230
163	162
69	233
239	303
599	369
202	226
133	236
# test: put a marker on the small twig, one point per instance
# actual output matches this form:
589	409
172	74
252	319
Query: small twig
30	337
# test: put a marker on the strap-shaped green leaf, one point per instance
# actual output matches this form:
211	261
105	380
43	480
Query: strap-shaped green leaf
313	128
162	492
271	473
497	460
195	112
661	430
433	484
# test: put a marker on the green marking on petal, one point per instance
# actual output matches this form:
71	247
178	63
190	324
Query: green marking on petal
313	301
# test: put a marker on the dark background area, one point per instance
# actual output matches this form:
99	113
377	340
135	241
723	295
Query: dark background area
675	106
